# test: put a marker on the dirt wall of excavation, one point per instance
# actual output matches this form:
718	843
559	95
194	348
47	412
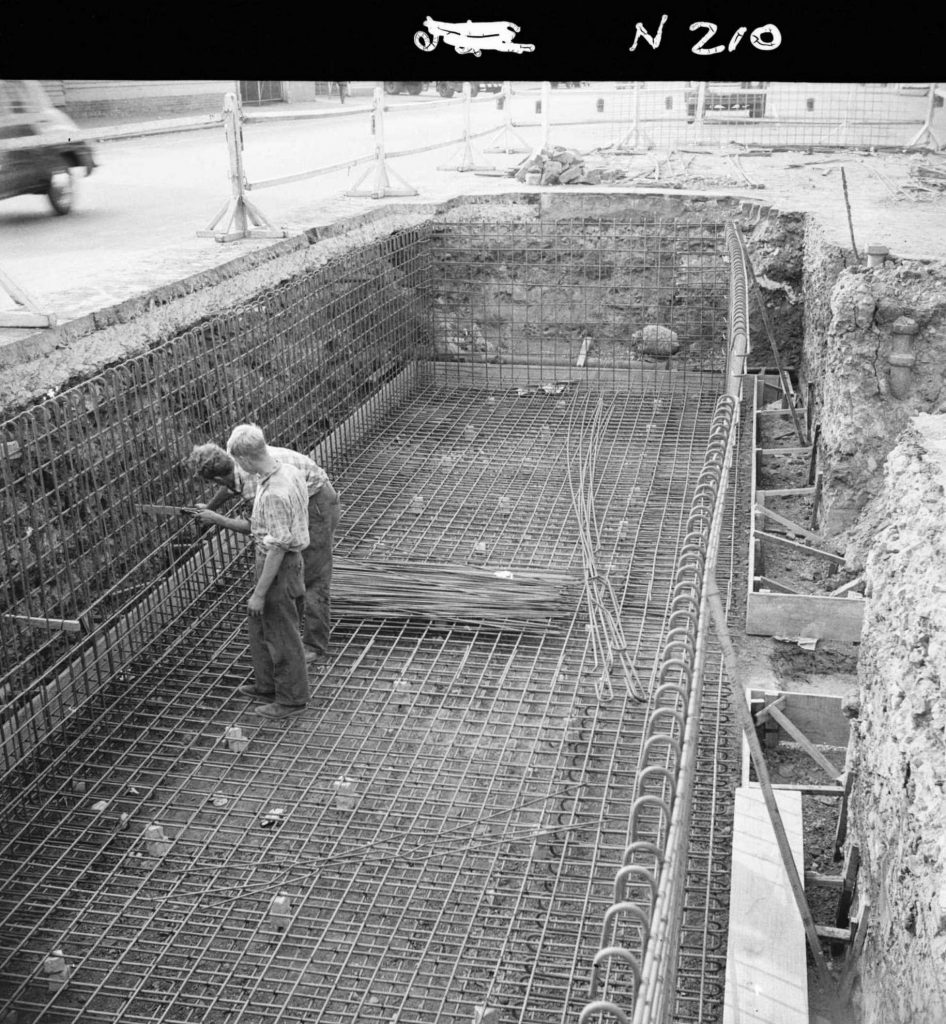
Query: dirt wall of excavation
898	811
865	390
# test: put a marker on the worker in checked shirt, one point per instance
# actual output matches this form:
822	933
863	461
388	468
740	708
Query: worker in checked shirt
280	531
214	464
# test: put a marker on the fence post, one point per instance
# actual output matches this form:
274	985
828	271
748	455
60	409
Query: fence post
546	114
506	131
467	161
381	187
241	219
635	136
926	132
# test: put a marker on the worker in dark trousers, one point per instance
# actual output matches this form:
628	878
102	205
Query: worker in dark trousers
215	465
280	532
342	90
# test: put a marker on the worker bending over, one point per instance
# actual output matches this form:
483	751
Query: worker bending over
214	464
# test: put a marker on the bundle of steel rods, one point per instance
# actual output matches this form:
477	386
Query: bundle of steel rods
609	645
456	593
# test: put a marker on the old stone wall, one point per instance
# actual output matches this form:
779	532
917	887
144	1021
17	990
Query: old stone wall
898	804
867	392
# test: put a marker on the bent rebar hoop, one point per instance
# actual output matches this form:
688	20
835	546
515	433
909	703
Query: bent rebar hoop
674	721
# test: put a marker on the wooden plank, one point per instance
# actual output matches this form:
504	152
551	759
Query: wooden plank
820	881
827	931
792	527
850	585
763	583
797	450
40	622
809	790
813	461
583	353
788	854
817	715
816	503
802	740
786	492
854	954
841	833
803	548
827	618
766	976
848	882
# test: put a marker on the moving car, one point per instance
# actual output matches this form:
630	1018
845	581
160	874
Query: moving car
727	96
41	148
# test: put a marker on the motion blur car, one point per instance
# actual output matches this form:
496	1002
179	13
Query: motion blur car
41	149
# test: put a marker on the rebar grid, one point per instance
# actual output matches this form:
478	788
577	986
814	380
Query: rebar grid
594	283
492	789
300	358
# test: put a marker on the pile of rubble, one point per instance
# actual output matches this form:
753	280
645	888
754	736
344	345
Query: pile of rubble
557	166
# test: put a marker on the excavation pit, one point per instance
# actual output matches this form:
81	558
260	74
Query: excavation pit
446	825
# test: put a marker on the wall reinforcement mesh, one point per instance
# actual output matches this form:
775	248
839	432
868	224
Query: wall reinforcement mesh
454	804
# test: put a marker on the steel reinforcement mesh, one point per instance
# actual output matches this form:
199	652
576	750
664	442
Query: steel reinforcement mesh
438	836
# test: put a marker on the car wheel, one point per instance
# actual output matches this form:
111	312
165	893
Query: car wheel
415	89
474	89
60	192
393	88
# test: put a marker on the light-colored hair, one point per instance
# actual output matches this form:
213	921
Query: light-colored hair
247	439
210	461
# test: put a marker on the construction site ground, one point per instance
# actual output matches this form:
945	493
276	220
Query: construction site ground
886	207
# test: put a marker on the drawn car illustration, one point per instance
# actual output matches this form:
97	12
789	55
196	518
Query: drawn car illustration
471	36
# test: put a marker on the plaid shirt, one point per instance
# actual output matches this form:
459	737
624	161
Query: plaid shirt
315	476
281	510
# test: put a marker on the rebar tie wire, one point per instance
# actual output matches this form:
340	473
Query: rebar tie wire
608	642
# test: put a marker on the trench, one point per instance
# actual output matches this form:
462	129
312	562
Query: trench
473	820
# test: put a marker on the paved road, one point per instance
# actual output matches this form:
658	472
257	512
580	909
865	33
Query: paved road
136	217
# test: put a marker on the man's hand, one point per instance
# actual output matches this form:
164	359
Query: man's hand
255	604
208	517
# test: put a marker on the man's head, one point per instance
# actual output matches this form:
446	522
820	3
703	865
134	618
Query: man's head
247	445
211	462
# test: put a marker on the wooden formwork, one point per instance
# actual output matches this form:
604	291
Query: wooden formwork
774	607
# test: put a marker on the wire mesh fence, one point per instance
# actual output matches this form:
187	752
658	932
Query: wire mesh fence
791	115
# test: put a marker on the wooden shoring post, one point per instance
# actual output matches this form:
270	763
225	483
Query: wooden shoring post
758	758
505	133
467	160
813	455
787	387
841	832
849	973
238	217
28	313
381	187
790	526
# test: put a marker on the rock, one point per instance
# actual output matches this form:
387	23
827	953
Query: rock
570	174
655	340
851	704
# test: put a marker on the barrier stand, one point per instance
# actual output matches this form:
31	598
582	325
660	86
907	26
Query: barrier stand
634	137
926	133
467	159
382	186
506	131
241	219
30	314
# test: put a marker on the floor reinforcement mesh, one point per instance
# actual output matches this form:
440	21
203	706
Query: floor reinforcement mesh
441	829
